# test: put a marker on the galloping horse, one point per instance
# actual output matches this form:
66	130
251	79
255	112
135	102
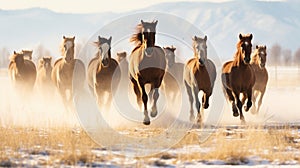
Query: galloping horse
103	72
238	77
258	63
44	72
146	66
68	73
199	74
173	79
22	73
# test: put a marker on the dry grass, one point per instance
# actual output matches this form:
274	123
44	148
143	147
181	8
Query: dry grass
73	146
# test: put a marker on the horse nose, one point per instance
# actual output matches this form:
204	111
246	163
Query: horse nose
149	51
202	61
247	60
262	65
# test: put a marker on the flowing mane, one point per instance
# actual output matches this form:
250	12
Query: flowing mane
137	37
238	55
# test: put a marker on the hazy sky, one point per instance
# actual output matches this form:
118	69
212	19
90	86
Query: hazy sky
85	6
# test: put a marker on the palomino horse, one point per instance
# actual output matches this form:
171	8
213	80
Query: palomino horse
22	73
146	66
258	63
27	54
103	72
68	73
173	79
238	77
44	72
199	74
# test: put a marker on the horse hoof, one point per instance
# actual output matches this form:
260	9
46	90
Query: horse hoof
206	105
146	122
246	109
235	114
153	113
253	111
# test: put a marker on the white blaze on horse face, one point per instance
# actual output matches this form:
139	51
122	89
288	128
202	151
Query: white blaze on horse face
68	45
104	50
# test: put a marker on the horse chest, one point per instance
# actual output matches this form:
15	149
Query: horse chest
203	78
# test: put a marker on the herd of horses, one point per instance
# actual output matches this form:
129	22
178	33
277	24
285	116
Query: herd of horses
243	78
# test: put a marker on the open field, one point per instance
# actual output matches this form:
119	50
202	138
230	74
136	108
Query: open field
42	133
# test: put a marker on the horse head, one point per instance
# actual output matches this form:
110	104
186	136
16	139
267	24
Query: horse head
246	46
68	48
200	48
104	47
148	33
262	54
121	56
170	55
27	54
17	57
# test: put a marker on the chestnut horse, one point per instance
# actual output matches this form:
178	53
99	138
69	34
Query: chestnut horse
22	73
103	72
258	63
238	77
68	73
146	66
199	74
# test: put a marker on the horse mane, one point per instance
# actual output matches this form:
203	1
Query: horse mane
238	55
137	37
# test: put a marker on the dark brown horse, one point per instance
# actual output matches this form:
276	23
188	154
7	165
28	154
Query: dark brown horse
258	63
22	73
238	76
199	74
68	73
173	79
103	72
146	66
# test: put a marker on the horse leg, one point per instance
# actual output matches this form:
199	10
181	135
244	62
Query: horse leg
145	101
198	105
249	102
155	96
151	93
191	99
137	92
206	99
240	106
260	100
254	97
244	98
232	100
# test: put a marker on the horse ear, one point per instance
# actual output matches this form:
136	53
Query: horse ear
265	47
109	40
205	38
240	36
73	38
194	38
256	47
99	38
64	37
142	22
156	22
15	52
251	36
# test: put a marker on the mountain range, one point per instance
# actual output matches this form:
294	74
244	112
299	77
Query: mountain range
269	21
